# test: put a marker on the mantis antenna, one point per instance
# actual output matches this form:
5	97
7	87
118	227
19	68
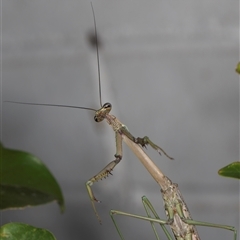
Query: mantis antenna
99	79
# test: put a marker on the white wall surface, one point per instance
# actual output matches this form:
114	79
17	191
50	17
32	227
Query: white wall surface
168	69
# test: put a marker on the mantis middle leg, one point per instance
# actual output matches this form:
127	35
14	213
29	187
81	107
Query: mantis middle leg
149	209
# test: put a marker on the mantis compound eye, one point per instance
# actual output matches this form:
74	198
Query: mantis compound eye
107	106
96	119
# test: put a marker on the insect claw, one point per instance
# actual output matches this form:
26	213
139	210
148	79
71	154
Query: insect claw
159	152
98	201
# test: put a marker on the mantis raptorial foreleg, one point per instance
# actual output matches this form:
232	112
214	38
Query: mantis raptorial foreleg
105	172
102	174
143	141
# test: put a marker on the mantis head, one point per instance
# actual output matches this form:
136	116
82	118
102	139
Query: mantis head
102	112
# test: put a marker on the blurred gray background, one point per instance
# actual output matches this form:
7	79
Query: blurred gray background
168	69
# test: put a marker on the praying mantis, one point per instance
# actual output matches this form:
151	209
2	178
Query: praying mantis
177	212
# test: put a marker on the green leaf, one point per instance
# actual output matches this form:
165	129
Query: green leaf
21	231
238	68
232	170
26	181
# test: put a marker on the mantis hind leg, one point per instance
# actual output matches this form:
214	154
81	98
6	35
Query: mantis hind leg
149	209
213	225
143	141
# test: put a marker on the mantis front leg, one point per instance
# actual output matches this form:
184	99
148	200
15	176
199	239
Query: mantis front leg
143	141
105	172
